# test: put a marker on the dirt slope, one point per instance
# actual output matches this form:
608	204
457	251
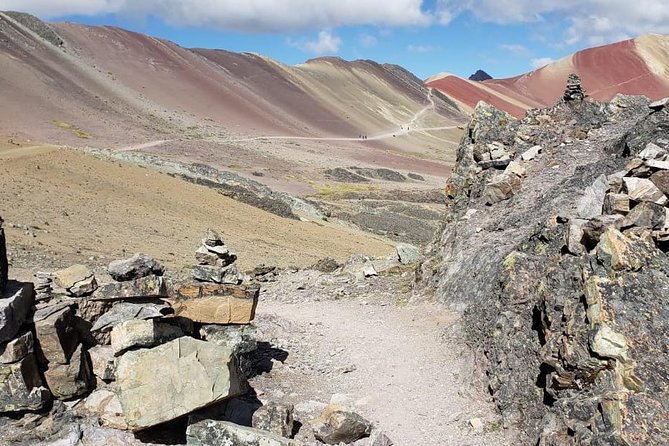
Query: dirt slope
637	66
69	206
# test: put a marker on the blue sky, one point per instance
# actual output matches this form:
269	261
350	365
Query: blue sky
503	37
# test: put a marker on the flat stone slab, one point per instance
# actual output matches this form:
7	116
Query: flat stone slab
144	287
216	304
166	382
217	433
139	265
14	308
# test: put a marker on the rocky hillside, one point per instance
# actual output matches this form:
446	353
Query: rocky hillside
636	66
555	250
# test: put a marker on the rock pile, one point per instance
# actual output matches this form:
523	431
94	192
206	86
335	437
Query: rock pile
563	278
43	286
142	351
215	262
574	90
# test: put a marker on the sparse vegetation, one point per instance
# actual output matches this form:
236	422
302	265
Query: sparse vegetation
79	133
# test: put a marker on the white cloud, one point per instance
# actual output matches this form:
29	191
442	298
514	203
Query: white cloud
541	62
589	21
247	15
515	49
326	43
367	41
421	49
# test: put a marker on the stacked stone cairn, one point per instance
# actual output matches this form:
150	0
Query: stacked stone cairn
43	286
574	90
215	262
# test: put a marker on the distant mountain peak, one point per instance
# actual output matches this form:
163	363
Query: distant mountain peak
479	76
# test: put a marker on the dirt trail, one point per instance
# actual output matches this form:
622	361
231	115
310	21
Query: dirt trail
408	369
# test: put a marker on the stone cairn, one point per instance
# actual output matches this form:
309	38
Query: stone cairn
574	90
43	286
215	262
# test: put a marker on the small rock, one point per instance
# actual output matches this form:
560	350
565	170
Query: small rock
407	254
14	308
336	425
476	424
83	288
661	181
68	277
621	253
239	338
643	189
125	311
17	349
205	257
106	405
369	270
326	265
502	187
212	238
137	266
276	418
102	360
516	169
645	215
57	335
652	152
609	344
531	153
218	274
616	204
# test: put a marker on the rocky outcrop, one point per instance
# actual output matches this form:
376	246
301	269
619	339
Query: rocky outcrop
562	283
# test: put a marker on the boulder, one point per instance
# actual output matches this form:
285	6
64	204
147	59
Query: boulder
137	266
276	418
141	333
407	254
645	215
217	433
218	274
215	304
125	311
661	181
16	349
67	381
502	188
158	385
591	203
21	387
659	104
144	287
531	153
337	425
643	189
4	264
102	362
14	308
57	336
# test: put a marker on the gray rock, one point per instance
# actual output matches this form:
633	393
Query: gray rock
144	287
659	104
226	275
218	433
652	152
73	379
212	238
645	215
531	153
14	308
205	256
83	288
326	265
502	187
141	333
661	181
21	387
616	204
643	189
369	270
137	266
158	385
4	264
102	362
336	426
276	418
57	335
17	349
239	338
591	203
125	311
407	254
